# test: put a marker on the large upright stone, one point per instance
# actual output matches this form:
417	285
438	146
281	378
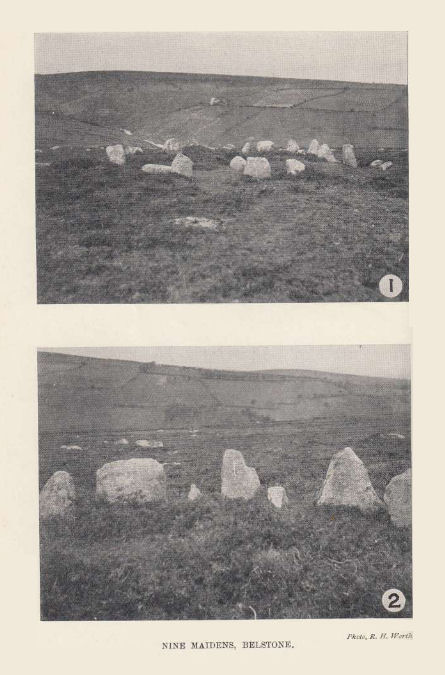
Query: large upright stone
326	153
277	496
314	147
294	167
182	165
131	481
292	146
57	496
349	156
347	484
237	164
238	481
257	167
116	154
398	499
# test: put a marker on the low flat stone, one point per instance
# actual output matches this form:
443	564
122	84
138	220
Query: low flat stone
131	481
156	168
294	167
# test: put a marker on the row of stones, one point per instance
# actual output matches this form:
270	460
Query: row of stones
139	481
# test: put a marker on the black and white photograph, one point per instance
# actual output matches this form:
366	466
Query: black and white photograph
237	167
202	483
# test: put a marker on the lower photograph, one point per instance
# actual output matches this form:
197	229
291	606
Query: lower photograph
225	482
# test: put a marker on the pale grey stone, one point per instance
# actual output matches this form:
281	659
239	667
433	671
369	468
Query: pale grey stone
156	168
292	146
237	164
237	479
131	481
397	497
143	443
314	147
172	145
347	483
182	165
264	146
294	167
257	167
194	493
349	156
116	154
57	497
277	496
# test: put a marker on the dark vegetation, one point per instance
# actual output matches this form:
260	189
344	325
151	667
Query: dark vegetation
108	233
214	558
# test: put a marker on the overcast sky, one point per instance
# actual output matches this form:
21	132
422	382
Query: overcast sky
354	56
375	360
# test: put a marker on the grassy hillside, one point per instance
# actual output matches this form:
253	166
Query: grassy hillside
216	559
94	107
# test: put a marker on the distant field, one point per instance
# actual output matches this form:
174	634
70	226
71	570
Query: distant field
79	108
216	559
107	233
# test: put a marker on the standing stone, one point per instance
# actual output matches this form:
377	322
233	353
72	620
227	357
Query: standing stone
347	484
326	153
182	165
116	154
314	147
264	146
194	493
349	156
131	481
398	499
294	167
237	479
246	148
257	167
57	496
172	145
292	146
237	164
277	496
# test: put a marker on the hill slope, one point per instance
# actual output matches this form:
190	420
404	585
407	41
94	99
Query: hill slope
87	394
95	107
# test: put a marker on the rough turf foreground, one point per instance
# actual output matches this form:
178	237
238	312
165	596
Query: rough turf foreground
108	234
216	560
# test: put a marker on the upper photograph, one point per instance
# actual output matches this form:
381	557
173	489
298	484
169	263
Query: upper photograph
221	167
